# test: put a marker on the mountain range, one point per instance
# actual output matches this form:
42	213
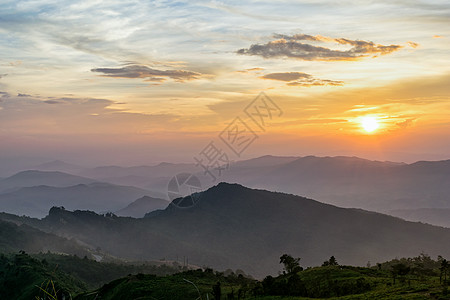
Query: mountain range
31	178
232	226
435	216
349	182
354	182
142	206
32	193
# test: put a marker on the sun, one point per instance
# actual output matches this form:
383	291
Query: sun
369	124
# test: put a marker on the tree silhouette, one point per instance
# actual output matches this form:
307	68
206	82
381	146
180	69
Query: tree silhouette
217	291
331	262
291	265
444	270
399	270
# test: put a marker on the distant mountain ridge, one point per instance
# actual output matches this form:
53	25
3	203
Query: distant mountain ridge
32	178
232	226
434	216
100	197
148	177
381	186
61	166
354	182
142	206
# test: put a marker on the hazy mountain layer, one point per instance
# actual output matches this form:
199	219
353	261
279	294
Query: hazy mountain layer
141	206
100	197
232	226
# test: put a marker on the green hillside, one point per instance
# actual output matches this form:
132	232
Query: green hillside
51	276
24	277
415	278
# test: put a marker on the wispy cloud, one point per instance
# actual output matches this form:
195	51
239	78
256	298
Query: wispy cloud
301	79
285	46
52	102
249	70
406	123
139	71
286	76
412	44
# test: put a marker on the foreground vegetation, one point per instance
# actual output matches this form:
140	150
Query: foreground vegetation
52	276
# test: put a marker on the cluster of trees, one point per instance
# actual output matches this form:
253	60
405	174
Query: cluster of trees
416	268
327	283
294	282
38	274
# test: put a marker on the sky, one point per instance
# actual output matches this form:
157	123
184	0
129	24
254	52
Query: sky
140	82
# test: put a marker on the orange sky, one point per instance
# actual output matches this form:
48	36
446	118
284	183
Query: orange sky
139	82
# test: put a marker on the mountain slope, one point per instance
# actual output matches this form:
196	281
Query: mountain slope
434	216
140	176
353	182
15	238
141	206
23	277
232	226
35	178
60	166
37	200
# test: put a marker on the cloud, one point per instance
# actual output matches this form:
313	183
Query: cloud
301	79
286	46
250	70
287	76
406	123
23	95
52	102
3	75
412	44
316	82
438	37
139	71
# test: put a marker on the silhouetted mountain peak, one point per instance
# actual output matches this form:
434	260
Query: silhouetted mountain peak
37	172
164	163
224	189
56	164
140	207
227	186
243	226
56	210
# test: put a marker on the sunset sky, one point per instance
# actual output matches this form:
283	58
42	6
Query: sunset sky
134	82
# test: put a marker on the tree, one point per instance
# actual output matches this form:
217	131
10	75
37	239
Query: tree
217	291
399	270
291	264
331	262
444	270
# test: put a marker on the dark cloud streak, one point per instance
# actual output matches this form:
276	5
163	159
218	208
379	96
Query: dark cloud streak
301	79
139	71
286	76
286	46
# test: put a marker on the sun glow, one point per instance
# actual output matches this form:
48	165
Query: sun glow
369	124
